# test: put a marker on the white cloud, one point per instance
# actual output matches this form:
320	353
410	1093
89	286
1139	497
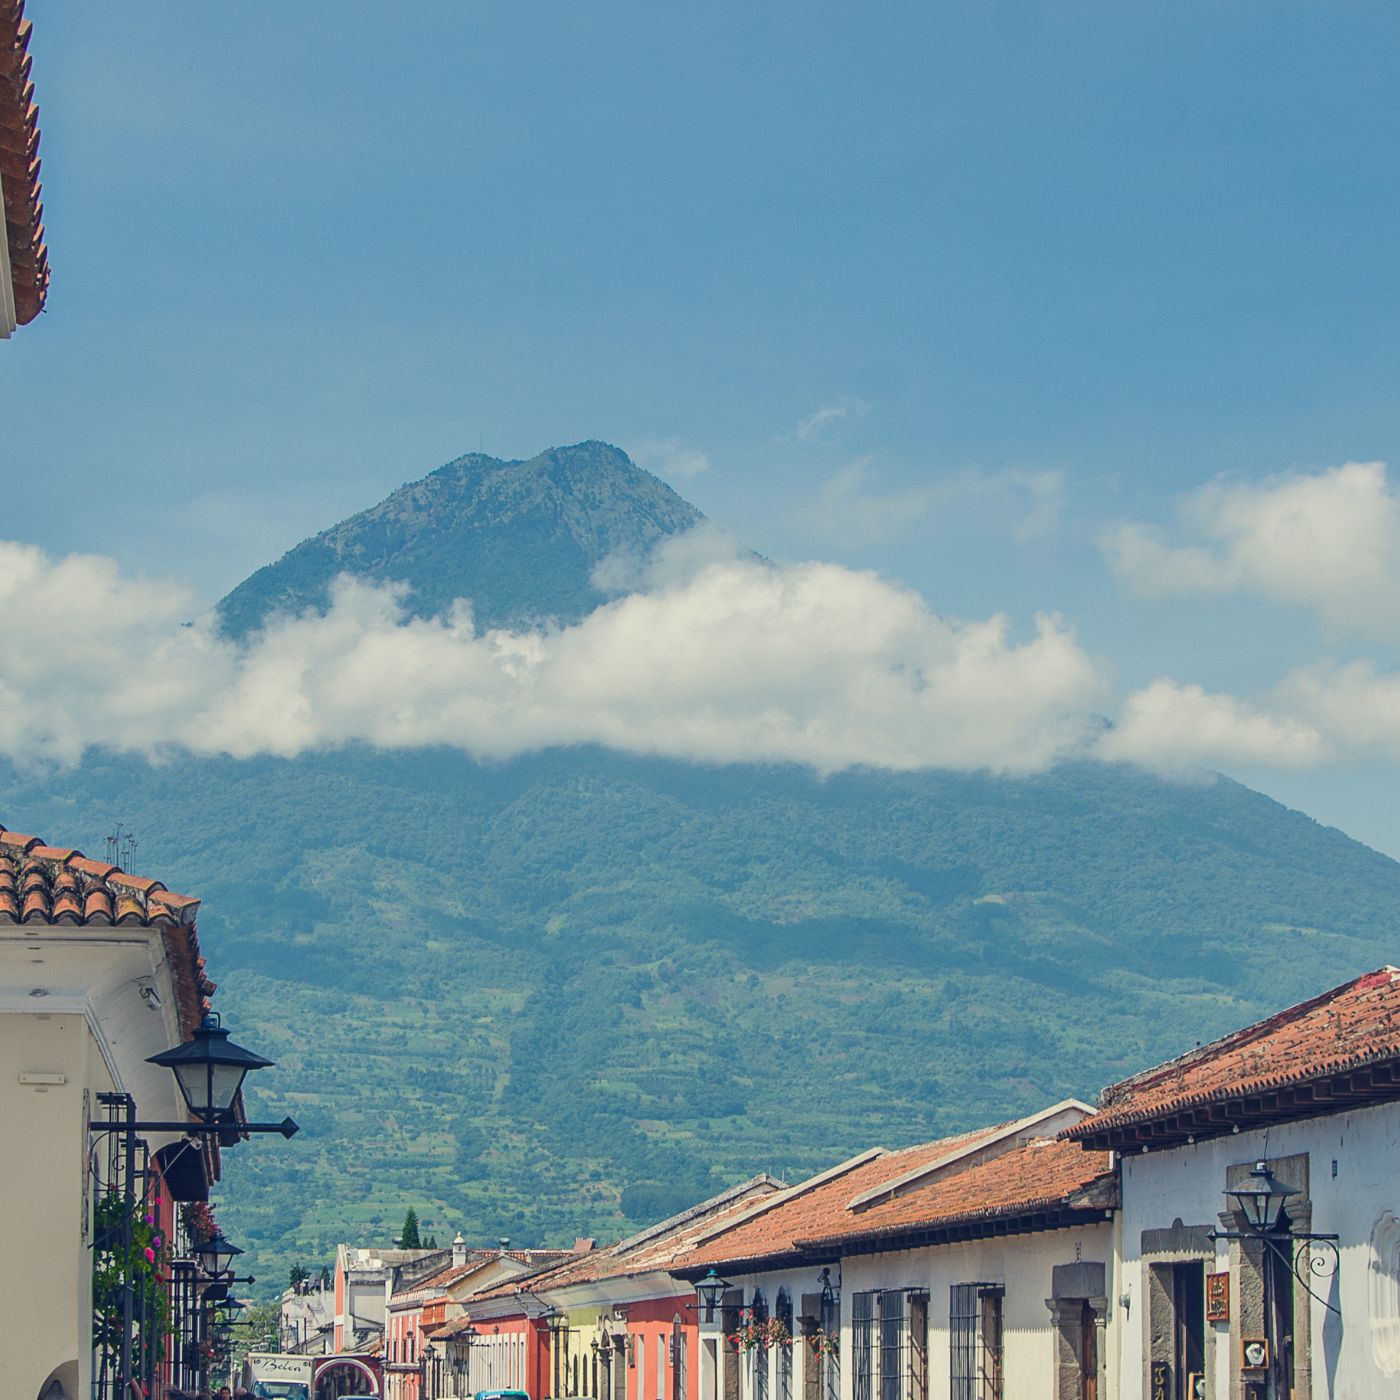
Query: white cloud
1328	541
1180	729
669	458
850	509
817	424
729	660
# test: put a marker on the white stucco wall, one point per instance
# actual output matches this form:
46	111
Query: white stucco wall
1187	1184
46	1284
1023	1264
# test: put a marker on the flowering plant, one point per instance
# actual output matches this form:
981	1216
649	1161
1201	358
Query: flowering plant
116	1262
759	1332
824	1343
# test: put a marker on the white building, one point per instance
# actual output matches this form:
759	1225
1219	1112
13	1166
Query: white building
98	970
1314	1093
307	1319
971	1268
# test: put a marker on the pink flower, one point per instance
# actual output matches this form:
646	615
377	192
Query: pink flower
150	1255
149	1218
156	1241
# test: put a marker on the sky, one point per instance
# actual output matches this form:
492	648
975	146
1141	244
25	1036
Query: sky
1073	323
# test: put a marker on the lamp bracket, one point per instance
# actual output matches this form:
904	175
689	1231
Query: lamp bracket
1319	1264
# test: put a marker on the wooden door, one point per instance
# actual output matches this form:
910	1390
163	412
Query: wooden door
1088	1354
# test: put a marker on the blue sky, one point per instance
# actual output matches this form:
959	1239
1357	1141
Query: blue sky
946	290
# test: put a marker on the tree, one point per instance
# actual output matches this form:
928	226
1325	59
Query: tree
325	1276
430	1242
409	1238
299	1275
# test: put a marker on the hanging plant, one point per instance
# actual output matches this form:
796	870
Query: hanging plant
824	1343
141	1262
754	1332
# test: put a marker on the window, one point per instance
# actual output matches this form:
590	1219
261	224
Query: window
892	1339
918	1346
760	1352
974	1325
783	1310
862	1344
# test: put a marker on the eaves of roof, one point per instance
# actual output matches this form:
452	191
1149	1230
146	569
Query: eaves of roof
20	165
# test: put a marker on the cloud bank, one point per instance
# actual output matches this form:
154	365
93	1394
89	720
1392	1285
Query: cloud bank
708	653
1328	542
738	660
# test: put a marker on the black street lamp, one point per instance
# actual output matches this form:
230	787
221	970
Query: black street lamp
1261	1200
710	1290
210	1070
216	1254
1261	1203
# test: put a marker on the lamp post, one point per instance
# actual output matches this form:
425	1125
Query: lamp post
1260	1204
209	1070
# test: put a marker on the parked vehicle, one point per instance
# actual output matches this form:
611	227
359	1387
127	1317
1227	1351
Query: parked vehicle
273	1376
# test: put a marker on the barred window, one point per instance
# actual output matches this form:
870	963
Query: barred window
975	1327
760	1352
862	1344
783	1311
893	1335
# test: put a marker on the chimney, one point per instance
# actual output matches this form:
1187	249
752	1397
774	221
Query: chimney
459	1251
505	1245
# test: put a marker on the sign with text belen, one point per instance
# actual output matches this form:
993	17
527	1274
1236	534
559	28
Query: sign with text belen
1218	1297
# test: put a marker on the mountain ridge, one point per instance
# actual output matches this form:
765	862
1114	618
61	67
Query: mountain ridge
518	538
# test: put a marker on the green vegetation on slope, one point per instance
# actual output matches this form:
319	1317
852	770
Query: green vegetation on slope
562	995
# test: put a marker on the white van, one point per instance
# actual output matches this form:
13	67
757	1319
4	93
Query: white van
271	1376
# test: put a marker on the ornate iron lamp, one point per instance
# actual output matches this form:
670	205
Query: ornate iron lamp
1260	1202
216	1254
1262	1199
710	1291
210	1070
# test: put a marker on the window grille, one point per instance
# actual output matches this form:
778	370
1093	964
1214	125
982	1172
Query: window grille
893	1339
760	1352
974	1343
830	1361
862	1344
783	1311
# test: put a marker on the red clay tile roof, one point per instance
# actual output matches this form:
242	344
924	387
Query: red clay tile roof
816	1207
657	1248
1339	1049
19	166
43	887
1042	1178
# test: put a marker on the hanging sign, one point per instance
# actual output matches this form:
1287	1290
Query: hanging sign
1218	1297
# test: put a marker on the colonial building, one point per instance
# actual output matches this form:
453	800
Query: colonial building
99	969
614	1323
365	1280
412	1367
24	258
1299	1117
969	1268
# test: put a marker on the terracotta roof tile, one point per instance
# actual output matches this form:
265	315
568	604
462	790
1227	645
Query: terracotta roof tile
1036	1178
1351	1028
19	165
58	886
818	1206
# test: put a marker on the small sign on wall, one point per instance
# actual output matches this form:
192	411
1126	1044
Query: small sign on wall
1218	1297
1161	1380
